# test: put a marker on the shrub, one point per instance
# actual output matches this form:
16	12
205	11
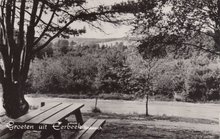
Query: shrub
203	83
81	74
117	79
46	76
45	52
64	75
170	78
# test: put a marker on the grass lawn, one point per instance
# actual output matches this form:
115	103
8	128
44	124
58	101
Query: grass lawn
141	127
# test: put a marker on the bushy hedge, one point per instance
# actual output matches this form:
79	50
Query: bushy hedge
117	70
82	71
170	77
193	79
203	82
64	75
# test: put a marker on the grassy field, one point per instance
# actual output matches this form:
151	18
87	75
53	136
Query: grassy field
141	127
179	109
126	119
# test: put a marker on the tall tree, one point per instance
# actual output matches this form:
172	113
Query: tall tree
144	73
181	23
25	23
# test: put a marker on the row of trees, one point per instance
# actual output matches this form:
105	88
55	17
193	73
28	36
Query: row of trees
122	70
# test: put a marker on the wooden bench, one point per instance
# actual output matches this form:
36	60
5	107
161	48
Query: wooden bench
6	134
89	129
51	114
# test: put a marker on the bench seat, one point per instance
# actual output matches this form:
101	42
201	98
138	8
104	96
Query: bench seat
6	133
53	113
89	129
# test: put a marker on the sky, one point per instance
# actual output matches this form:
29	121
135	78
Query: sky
94	3
111	31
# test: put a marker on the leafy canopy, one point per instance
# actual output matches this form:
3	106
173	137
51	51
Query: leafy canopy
181	23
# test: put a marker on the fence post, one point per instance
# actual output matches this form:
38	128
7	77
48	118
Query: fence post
42	104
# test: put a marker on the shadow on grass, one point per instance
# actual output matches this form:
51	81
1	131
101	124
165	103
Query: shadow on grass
150	118
131	130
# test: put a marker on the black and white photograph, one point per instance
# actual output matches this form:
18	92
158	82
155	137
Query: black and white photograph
109	69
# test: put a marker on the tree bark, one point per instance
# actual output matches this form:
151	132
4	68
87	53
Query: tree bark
96	101
217	40
147	114
14	102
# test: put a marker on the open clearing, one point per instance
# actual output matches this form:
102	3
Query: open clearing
126	120
179	109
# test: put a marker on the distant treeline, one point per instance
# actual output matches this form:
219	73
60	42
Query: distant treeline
92	70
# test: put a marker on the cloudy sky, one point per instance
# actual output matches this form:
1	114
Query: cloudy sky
111	31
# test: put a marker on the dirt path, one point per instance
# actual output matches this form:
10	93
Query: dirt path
180	109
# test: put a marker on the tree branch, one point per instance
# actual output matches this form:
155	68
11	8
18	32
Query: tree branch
201	47
29	42
40	20
80	16
48	25
21	24
20	45
13	14
40	14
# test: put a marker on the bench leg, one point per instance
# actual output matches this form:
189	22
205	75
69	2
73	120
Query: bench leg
18	135
79	118
57	135
45	134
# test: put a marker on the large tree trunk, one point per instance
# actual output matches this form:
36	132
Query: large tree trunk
217	40
13	99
